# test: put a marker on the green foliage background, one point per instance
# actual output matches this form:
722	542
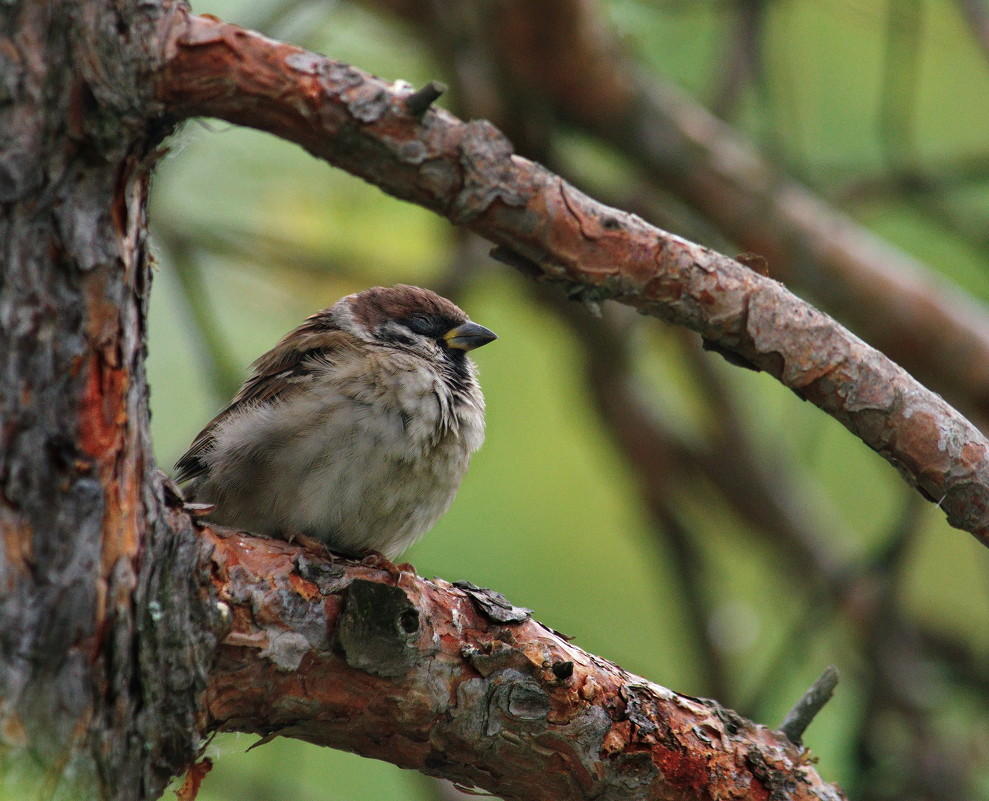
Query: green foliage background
549	514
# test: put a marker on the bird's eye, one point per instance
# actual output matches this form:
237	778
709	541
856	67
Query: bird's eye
420	324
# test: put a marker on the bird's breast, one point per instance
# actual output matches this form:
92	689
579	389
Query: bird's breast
402	400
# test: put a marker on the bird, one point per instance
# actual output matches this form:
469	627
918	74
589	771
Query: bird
355	430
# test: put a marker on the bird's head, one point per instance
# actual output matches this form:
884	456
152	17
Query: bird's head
410	318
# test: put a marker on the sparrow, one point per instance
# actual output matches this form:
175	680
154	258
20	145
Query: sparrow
355	430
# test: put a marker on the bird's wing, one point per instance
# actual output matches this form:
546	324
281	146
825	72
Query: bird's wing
280	373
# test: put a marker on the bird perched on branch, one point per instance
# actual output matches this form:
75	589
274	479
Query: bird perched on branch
356	429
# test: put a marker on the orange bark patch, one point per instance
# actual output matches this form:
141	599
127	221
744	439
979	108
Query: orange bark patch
616	739
18	538
680	768
103	409
757	791
299	585
120	520
102	427
194	779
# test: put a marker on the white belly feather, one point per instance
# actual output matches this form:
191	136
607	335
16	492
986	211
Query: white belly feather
377	460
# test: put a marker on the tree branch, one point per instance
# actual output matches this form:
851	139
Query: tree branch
455	683
467	173
562	53
811	702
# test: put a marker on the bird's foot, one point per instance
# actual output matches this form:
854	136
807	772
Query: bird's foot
311	544
378	560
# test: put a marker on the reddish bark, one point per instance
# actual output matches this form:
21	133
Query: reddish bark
417	672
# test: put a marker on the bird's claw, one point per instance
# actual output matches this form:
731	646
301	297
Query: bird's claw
381	562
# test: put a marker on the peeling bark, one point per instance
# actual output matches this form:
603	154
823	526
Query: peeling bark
468	173
449	682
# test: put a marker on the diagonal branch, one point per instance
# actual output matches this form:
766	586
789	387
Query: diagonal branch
467	173
564	53
457	683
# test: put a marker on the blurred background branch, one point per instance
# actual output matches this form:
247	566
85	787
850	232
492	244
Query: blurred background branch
693	503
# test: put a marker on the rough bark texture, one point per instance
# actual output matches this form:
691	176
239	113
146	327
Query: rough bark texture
101	640
455	682
467	172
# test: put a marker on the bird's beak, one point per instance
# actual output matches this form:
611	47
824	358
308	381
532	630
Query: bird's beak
468	336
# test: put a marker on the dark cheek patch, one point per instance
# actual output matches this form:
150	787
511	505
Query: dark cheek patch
393	334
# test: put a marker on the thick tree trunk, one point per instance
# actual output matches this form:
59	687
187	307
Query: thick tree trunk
99	674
